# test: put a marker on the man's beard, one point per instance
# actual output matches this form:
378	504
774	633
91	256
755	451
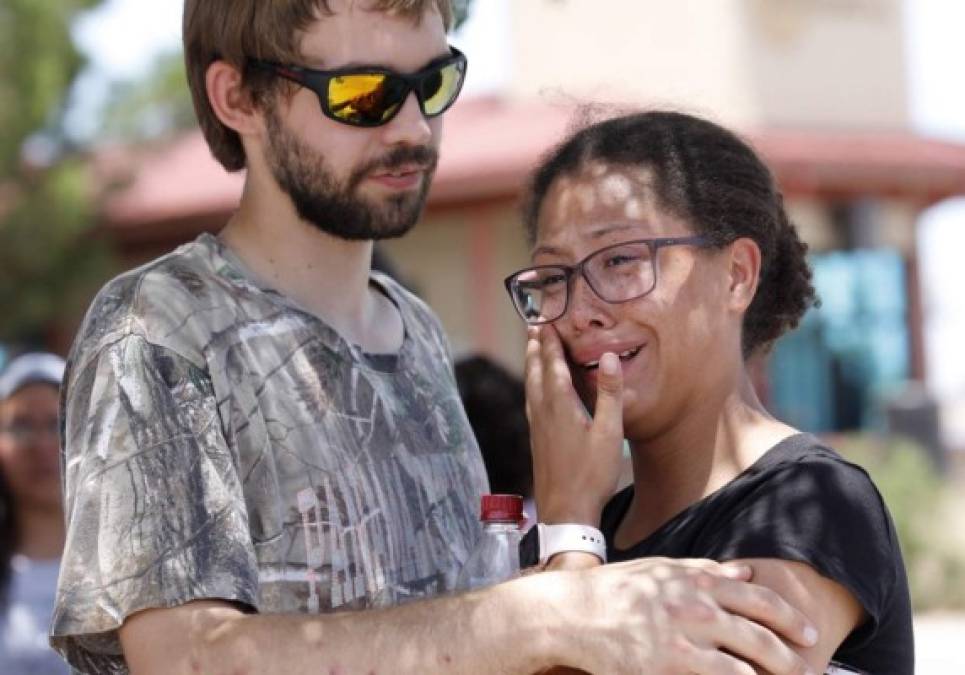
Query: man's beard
336	207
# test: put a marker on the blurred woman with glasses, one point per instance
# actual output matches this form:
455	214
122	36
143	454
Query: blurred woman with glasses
31	513
663	262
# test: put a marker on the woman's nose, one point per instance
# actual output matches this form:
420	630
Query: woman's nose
586	309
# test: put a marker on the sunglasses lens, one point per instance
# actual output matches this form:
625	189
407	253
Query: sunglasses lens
440	88
365	99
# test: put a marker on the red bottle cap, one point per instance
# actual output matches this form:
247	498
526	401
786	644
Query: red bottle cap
507	508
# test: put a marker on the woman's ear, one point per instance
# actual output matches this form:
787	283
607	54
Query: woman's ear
744	272
229	99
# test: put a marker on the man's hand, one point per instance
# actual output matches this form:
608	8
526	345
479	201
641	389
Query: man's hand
675	616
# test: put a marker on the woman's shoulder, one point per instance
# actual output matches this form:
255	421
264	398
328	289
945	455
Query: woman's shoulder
804	469
803	451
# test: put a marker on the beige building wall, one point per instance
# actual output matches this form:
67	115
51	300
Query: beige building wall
679	53
457	260
827	63
750	63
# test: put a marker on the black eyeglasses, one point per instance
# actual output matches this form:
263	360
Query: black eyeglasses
368	96
617	273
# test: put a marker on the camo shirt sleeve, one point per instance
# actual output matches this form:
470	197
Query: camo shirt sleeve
155	512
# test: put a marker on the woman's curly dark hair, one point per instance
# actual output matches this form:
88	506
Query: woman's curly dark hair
709	177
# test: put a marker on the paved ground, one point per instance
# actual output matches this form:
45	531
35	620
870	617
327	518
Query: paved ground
940	644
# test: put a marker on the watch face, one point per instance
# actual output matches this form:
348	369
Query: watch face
529	549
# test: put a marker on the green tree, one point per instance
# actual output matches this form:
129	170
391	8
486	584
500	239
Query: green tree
156	105
48	262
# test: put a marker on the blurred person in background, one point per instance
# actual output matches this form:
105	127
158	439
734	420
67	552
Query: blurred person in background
31	512
495	403
268	468
663	260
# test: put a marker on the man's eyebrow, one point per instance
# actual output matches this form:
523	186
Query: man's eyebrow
320	64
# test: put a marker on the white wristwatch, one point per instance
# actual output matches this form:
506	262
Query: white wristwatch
544	541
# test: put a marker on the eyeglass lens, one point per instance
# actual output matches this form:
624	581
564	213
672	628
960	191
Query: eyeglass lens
615	274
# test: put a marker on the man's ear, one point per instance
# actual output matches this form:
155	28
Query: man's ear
744	270
229	100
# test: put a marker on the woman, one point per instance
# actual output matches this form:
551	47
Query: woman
31	515
663	262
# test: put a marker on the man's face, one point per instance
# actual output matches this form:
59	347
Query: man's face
358	183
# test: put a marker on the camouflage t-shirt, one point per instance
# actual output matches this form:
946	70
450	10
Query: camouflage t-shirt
222	443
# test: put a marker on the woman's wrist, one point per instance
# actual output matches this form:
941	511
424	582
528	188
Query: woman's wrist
553	512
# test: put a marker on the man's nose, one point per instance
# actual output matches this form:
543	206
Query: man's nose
409	126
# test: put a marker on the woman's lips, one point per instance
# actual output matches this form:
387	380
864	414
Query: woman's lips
625	356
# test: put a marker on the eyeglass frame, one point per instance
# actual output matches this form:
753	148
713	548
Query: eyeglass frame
317	82
570	271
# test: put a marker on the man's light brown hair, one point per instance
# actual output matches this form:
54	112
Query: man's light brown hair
237	31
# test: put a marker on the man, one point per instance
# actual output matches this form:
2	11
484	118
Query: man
263	438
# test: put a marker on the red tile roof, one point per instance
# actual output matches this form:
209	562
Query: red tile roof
490	145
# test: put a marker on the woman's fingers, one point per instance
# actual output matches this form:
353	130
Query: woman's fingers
608	413
534	371
557	377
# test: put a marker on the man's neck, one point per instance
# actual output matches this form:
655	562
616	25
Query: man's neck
324	274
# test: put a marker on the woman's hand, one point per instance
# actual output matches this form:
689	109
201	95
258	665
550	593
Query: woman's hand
576	458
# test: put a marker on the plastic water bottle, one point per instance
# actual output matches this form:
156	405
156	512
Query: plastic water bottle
496	556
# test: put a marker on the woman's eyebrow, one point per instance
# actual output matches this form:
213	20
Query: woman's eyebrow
545	249
610	228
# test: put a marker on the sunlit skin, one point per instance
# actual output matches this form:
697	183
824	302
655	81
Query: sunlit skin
31	469
681	394
685	334
683	321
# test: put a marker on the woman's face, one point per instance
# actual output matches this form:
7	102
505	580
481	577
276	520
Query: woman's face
679	342
29	449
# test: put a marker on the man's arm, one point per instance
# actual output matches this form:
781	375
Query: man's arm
643	616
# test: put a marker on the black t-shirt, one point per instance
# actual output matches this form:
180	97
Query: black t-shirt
800	501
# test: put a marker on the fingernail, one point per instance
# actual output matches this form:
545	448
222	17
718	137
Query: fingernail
736	571
810	636
609	364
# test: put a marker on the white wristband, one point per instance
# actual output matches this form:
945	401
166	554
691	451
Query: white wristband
565	537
